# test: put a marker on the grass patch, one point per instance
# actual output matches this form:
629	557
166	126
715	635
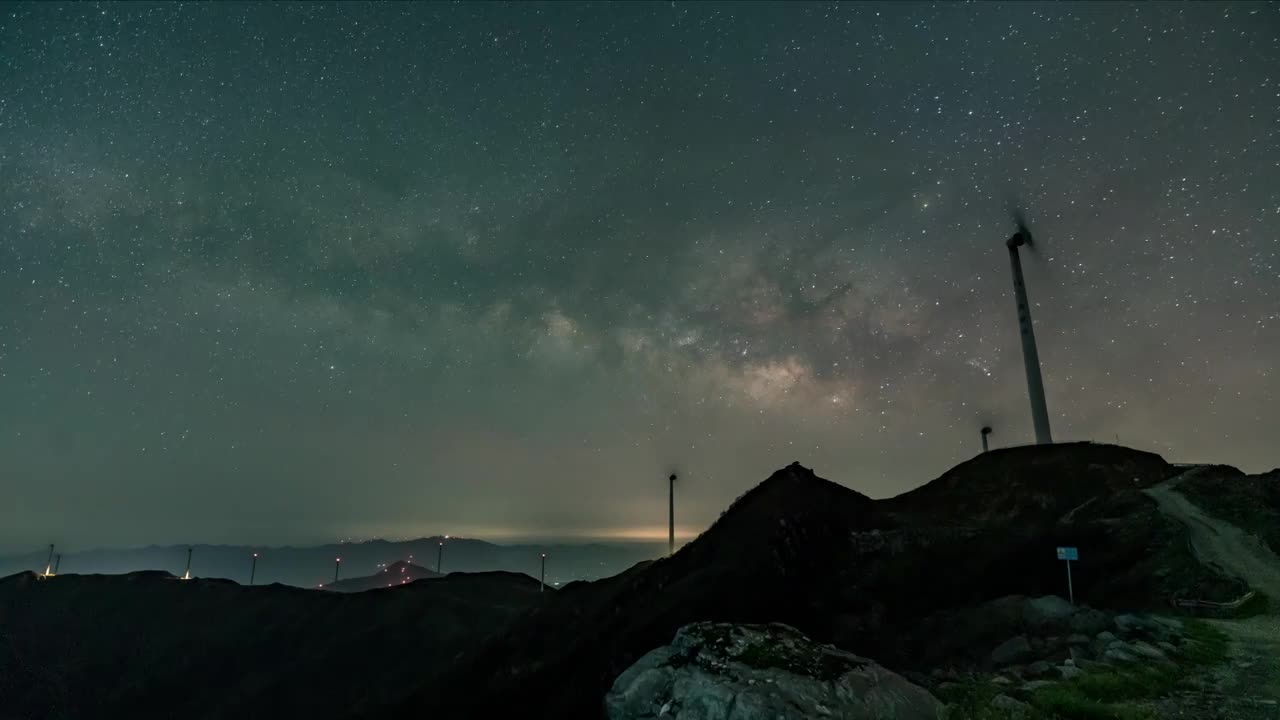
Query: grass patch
1069	702
1103	692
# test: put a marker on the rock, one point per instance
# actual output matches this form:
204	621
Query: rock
1011	707
1078	639
1049	610
750	672
1118	655
1168	647
1011	651
1078	654
1106	637
1128	623
1088	621
1001	680
1149	651
1172	624
1037	669
1069	672
1035	685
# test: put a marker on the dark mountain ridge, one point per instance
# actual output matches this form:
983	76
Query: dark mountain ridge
847	569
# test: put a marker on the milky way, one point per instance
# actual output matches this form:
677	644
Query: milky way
293	273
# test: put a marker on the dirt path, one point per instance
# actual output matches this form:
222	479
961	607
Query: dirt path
1219	543
1249	685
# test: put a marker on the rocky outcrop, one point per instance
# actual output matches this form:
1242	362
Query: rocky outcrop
750	672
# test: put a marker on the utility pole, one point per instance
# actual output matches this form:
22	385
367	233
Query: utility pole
439	557
57	561
337	564
253	569
542	579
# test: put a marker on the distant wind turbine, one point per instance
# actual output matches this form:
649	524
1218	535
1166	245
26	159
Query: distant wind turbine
671	515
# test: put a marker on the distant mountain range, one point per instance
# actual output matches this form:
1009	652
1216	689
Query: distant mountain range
313	566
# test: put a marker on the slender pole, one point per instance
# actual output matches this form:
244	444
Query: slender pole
57	561
1071	593
542	579
671	515
187	574
337	564
48	565
1030	357
439	557
253	569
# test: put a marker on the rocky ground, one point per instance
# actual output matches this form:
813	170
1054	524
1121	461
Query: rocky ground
1038	658
721	671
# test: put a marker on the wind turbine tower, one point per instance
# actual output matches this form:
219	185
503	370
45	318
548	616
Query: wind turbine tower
986	430
671	515
1030	358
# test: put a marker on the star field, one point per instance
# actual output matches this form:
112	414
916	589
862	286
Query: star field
288	273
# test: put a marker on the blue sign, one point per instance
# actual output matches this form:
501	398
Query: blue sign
1068	553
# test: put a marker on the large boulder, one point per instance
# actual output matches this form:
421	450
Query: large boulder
754	672
1049	611
1011	651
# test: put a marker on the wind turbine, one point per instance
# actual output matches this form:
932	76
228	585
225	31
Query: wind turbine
671	515
1030	358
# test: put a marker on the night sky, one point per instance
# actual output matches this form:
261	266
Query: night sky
296	273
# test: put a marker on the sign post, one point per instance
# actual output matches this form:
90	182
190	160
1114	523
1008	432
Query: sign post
1069	554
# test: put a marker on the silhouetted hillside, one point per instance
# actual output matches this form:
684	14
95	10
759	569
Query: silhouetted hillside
147	645
850	570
